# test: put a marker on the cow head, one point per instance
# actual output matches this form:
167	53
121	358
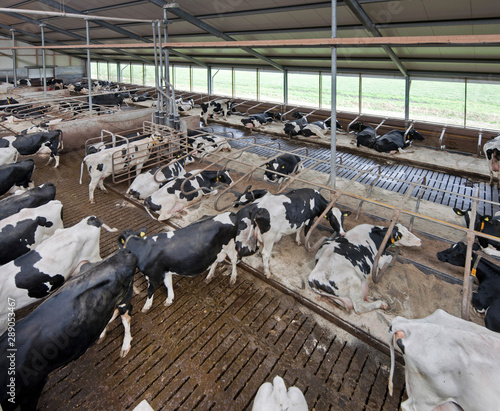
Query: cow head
129	233
249	196
224	177
401	236
455	255
292	128
415	135
336	219
356	126
481	220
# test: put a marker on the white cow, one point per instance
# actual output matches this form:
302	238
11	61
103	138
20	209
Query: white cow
275	397
492	151
344	265
37	273
448	361
100	164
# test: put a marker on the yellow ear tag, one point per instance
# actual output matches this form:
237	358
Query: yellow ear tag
473	272
122	240
392	240
482	225
142	234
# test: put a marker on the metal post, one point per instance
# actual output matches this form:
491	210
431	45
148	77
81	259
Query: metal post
88	67
14	61
43	64
320	85
161	113
465	104
285	87
209	80
257	75
156	75
407	99
360	96
333	142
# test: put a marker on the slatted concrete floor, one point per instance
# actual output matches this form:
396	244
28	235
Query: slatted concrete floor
459	186
215	345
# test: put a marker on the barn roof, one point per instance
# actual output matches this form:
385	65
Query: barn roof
236	20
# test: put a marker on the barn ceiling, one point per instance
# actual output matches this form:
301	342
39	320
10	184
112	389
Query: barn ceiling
217	20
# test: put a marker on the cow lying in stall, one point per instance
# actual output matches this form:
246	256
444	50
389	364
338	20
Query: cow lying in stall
8	155
188	251
265	221
39	272
491	150
23	231
313	129
487	298
365	134
32	198
395	140
221	107
44	143
287	164
275	397
115	99
487	225
64	326
447	361
16	176
344	265
170	199
182	105
257	120
100	165
204	144
144	185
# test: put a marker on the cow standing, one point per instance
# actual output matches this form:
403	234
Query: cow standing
344	265
39	272
264	222
23	231
170	199
64	326
188	251
16	176
448	360
491	150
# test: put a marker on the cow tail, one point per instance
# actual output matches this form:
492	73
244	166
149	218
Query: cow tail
391	346
81	169
108	228
151	215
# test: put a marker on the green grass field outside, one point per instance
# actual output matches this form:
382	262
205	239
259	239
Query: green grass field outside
430	100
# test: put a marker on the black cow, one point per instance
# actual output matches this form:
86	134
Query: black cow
258	119
365	134
115	99
27	111
16	175
285	164
487	297
188	251
63	327
485	224
270	217
29	199
395	140
7	102
23	231
43	142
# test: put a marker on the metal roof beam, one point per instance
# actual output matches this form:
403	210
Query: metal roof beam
124	32
358	11
198	23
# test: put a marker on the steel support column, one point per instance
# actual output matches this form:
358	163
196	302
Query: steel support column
43	63
89	76
333	130
407	98
14	61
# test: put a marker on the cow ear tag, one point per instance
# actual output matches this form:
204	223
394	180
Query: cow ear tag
122	240
482	225
142	234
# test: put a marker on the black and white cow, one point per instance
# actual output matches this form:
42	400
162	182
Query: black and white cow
184	105
450	363
286	164
24	82
315	129
170	199
142	97
294	128
188	251
203	145
32	198
221	107
45	143
249	196
7	102
259	119
64	326
55	83
39	272
344	265
487	298
100	165
8	155
115	99
491	150
16	176
23	231
145	184
365	134
265	221
395	141
28	111
485	224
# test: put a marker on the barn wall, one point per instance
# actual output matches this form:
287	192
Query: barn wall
64	66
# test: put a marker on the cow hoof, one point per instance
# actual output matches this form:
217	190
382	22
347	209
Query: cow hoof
124	352
145	309
298	243
384	306
92	202
167	303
